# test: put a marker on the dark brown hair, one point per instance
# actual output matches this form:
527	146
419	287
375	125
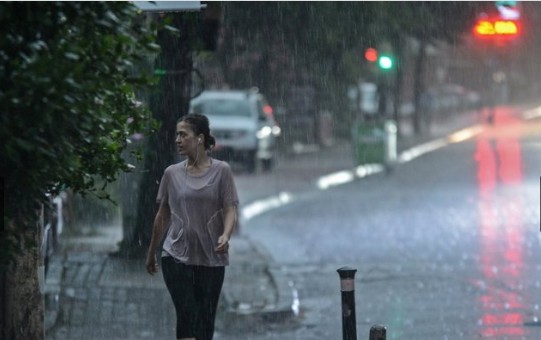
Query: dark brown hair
200	125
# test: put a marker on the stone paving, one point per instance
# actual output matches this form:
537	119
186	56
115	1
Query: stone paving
92	295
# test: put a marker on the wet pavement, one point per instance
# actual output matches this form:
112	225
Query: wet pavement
93	295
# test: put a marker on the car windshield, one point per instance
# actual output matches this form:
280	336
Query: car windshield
223	107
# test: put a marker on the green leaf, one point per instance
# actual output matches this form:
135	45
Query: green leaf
71	74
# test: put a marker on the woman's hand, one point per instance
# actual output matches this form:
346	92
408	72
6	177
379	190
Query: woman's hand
151	263
223	244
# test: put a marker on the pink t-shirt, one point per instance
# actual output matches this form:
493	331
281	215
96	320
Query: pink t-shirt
196	203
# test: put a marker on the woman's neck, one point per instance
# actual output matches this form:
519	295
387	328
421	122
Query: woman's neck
203	161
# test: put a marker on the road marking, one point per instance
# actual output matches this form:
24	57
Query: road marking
465	134
368	169
337	178
346	176
417	151
258	207
531	114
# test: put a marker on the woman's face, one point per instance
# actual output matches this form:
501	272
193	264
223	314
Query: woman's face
186	139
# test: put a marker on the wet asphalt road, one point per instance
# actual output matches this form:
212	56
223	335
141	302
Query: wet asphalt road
447	247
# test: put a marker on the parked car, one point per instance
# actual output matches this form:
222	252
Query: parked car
242	123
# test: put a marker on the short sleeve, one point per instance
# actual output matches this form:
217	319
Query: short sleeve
163	193
228	189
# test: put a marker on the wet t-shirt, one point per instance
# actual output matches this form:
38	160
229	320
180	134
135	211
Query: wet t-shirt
197	205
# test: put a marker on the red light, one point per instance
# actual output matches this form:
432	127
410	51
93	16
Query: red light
371	54
268	110
492	27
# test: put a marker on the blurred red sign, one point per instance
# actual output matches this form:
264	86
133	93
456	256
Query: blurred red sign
496	27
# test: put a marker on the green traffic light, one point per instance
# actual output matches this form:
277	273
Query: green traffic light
385	62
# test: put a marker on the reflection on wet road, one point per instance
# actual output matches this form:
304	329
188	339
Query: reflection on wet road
447	247
502	231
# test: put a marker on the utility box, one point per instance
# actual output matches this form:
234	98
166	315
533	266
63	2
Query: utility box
374	142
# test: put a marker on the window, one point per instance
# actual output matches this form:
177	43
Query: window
223	107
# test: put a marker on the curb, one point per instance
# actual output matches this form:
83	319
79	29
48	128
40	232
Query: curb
234	314
287	300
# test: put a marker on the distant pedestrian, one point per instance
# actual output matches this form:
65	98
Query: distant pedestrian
198	210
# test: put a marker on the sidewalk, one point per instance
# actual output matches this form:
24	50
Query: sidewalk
91	295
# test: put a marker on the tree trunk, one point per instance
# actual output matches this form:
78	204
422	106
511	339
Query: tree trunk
225	45
168	103
22	303
418	87
398	46
3	306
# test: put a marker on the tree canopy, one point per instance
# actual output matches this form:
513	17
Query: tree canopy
276	45
67	99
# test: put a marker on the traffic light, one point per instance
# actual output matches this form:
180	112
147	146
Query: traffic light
384	61
371	54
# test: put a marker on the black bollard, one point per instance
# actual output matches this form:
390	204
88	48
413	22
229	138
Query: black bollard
347	287
378	333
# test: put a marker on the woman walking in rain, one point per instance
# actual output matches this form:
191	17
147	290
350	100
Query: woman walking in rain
198	209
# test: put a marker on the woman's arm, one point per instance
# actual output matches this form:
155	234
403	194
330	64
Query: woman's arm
230	221
161	223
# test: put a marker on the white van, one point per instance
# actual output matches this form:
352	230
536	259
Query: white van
242	123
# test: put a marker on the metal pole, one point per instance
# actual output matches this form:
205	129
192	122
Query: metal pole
347	287
378	333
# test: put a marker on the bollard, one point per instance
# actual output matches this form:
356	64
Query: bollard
347	287
391	130
378	333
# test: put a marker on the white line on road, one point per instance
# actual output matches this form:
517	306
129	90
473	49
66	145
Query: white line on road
346	176
260	206
533	113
